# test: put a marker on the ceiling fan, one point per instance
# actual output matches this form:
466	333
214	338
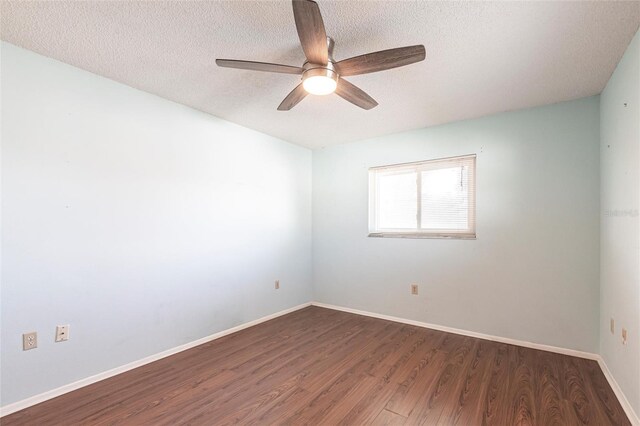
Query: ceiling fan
321	74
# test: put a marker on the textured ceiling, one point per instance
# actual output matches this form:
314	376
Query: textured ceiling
482	57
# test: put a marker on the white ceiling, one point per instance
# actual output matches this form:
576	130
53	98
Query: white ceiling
482	57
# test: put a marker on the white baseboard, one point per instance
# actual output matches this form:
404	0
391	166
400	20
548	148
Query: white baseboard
572	352
626	405
25	403
580	354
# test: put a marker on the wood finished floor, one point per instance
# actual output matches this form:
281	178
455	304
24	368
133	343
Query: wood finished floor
324	367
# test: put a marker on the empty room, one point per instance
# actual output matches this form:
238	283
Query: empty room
330	212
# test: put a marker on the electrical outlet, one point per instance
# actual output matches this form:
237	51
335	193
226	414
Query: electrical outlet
612	326
624	336
29	341
414	289
277	284
62	333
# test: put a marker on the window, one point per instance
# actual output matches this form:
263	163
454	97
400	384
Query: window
427	199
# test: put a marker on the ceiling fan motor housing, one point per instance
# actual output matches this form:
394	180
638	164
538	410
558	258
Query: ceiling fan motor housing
318	70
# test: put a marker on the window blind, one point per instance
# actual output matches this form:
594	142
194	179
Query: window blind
434	198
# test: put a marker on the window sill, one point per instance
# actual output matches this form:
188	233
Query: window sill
422	235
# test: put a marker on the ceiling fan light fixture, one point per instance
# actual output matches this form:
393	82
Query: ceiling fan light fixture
320	81
320	85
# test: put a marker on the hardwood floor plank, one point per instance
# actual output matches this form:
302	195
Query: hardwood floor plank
318	366
367	409
261	403
549	391
442	392
342	404
585	410
472	390
424	374
523	408
388	418
493	410
410	358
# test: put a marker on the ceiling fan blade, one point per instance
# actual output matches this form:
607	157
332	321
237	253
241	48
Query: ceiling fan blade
293	98
259	66
355	95
382	60
311	31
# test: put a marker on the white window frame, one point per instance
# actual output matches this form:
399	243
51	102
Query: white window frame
417	167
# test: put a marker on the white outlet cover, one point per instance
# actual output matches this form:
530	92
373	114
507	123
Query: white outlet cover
62	333
29	341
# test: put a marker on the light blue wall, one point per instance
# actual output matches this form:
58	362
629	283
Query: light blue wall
140	222
532	274
620	223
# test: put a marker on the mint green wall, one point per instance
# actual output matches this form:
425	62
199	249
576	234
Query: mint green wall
620	229
532	274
